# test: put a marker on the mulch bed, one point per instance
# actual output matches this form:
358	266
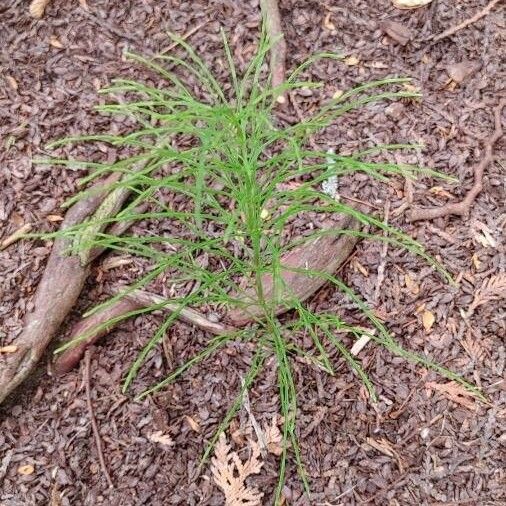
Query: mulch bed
441	451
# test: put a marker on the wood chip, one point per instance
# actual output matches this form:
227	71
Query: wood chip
360	343
327	24
12	82
26	470
161	438
428	320
410	4
351	61
37	8
55	42
397	31
11	348
411	284
459	72
54	218
195	427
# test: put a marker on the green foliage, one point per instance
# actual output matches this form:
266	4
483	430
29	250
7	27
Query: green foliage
226	163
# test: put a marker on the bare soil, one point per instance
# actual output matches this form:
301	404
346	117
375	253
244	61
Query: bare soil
417	445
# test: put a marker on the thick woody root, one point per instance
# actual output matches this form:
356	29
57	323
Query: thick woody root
324	254
104	321
57	292
62	281
272	17
462	208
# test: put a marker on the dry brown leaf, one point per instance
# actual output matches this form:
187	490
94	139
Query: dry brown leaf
410	4
230	473
273	438
351	61
161	438
195	427
84	5
454	392
428	320
396	31
411	284
26	470
12	82
11	348
55	42
385	447
459	72
37	8
327	24
493	288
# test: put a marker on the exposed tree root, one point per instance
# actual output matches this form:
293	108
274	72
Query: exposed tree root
69	358
57	292
463	207
454	29
137	299
62	282
272	17
326	253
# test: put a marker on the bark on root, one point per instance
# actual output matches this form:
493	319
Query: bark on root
272	17
62	282
57	292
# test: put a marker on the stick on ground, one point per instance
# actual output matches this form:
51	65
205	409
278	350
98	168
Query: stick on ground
463	207
270	12
454	29
94	426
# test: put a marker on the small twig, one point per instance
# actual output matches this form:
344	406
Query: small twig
272	17
384	250
15	236
185	36
454	29
463	207
94	426
262	443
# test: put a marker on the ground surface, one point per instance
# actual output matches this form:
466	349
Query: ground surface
416	446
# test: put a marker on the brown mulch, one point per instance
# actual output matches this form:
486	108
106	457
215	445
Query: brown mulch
416	446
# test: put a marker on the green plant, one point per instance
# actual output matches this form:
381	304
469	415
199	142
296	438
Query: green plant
228	164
